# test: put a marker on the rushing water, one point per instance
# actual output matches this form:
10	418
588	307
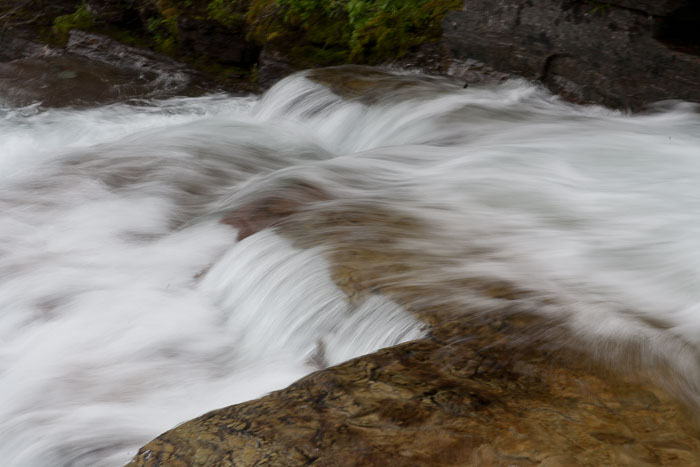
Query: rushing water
126	306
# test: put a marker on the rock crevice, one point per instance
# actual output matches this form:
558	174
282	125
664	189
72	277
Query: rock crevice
619	54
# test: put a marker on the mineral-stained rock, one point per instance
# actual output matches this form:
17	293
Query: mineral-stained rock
371	85
464	396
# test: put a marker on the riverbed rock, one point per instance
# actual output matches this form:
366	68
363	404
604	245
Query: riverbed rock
651	7
93	68
272	66
468	395
225	44
494	389
124	13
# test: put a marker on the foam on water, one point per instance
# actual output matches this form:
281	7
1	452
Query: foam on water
126	307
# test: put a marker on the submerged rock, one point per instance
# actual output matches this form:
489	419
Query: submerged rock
371	85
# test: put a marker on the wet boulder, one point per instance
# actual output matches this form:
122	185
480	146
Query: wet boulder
225	44
123	13
465	396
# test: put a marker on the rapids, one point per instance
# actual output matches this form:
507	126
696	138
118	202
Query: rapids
127	306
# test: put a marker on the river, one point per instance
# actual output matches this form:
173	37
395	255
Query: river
127	306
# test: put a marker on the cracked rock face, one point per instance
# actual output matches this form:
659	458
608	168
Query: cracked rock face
623	54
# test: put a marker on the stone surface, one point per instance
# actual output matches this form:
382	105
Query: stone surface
650	7
101	48
622	53
58	81
120	12
272	66
33	12
20	25
179	30
464	396
586	51
94	69
227	45
371	85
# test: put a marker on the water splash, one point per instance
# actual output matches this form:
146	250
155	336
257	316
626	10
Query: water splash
126	306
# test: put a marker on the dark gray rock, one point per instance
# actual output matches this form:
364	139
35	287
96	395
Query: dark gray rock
120	12
16	46
20	25
225	44
102	48
92	69
70	80
17	13
273	66
650	7
589	52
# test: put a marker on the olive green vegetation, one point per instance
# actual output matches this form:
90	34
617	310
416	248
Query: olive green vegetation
160	31
227	13
81	19
360	31
307	32
165	34
598	7
84	20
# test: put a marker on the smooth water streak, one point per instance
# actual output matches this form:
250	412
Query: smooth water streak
126	306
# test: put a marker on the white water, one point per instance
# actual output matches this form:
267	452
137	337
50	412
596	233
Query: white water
126	307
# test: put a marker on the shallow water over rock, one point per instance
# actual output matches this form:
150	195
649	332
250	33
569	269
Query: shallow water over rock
164	257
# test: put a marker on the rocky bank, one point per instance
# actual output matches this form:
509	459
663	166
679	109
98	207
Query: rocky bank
621	53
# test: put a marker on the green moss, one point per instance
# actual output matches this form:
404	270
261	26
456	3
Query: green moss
132	37
227	12
598	7
368	31
400	26
81	19
165	33
309	32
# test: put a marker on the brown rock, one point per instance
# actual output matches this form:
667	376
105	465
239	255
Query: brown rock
486	390
439	402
